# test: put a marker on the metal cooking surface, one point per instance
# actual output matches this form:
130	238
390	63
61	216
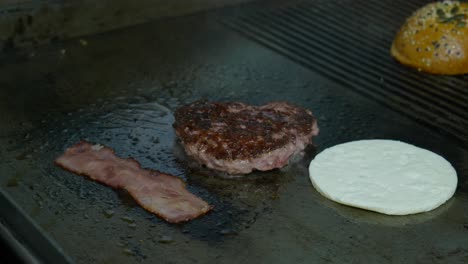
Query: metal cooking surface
121	90
349	42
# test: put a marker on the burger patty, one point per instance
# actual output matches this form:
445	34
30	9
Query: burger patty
238	138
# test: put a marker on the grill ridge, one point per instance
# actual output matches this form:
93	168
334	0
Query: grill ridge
373	54
377	6
313	35
390	34
446	80
362	76
320	50
362	10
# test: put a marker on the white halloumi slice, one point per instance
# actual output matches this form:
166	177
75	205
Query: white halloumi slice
384	176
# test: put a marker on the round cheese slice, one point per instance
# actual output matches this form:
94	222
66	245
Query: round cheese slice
384	176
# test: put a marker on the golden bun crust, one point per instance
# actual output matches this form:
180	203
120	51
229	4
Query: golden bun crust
435	39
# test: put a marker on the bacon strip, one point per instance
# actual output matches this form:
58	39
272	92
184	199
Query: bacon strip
162	194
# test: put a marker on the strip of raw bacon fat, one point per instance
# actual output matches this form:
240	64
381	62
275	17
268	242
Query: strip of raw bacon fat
162	194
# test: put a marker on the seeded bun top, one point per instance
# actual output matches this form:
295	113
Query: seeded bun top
435	39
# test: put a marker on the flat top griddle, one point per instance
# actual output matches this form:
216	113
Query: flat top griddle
121	88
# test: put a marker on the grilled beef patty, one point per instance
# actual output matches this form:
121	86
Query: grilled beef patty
237	138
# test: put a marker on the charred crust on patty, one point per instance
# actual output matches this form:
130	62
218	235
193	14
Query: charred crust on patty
235	131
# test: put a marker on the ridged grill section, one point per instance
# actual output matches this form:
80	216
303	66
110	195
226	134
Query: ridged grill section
349	42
